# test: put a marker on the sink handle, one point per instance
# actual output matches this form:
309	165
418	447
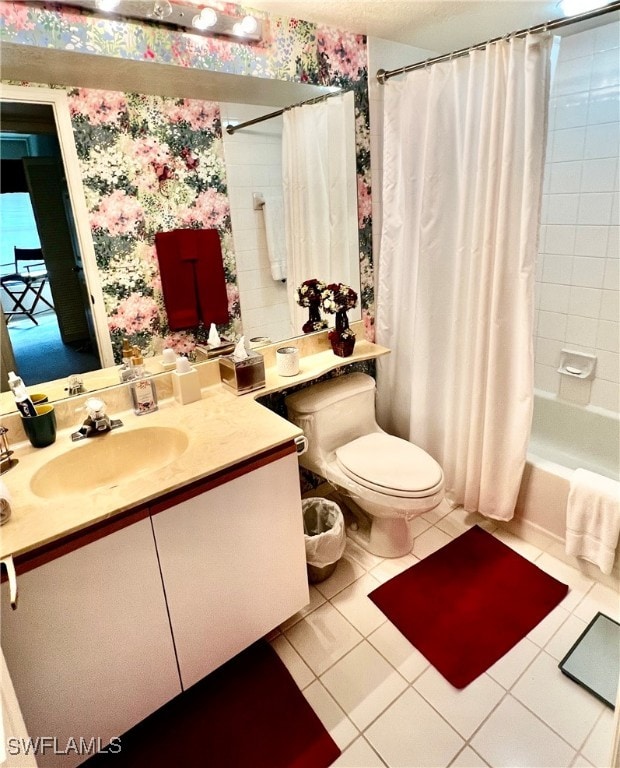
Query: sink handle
8	563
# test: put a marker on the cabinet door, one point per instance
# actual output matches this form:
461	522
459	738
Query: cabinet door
89	648
233	564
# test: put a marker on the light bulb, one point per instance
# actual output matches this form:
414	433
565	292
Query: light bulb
199	23
238	29
161	10
107	5
208	17
249	25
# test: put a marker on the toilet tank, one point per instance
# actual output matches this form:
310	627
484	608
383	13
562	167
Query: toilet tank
333	413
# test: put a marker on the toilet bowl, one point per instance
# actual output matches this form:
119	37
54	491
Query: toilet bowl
386	482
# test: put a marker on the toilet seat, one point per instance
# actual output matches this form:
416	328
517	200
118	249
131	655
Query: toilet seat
389	465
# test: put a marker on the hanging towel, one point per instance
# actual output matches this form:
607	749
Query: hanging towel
273	213
593	518
192	277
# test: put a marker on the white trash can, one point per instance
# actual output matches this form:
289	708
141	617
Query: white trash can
325	537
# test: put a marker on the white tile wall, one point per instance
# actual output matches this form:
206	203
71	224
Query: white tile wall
254	164
577	274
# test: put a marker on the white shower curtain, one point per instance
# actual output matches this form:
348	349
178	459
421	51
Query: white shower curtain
320	207
463	165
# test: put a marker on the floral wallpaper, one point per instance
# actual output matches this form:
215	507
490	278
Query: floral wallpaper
151	163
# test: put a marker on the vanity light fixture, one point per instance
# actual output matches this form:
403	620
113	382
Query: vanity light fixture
178	14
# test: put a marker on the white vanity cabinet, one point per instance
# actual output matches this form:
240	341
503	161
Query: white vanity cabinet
233	561
89	647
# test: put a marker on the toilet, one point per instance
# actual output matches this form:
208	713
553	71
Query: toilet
386	482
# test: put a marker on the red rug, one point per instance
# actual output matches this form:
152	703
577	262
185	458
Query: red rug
469	603
249	713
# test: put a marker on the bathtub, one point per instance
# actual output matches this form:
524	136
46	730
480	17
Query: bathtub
564	437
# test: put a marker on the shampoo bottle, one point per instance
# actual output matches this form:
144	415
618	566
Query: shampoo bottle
22	398
143	392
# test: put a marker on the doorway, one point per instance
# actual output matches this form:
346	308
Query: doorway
57	338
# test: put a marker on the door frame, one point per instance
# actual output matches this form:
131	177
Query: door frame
58	101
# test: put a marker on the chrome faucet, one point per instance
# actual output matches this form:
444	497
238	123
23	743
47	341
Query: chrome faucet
97	422
6	462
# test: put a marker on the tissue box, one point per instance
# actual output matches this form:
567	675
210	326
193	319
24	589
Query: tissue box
243	376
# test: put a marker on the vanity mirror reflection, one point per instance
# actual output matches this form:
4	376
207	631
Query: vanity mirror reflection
239	98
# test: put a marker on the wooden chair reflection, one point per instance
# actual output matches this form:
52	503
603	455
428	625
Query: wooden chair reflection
24	286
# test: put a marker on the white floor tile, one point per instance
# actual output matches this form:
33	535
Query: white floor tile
395	647
466	708
363	683
579	584
511	666
545	629
359	755
599	598
300	671
316	599
392	566
430	541
347	571
335	721
468	759
419	525
354	604
367	560
581	762
558	701
323	637
441	510
524	548
597	749
457	522
410	733
513	736
566	636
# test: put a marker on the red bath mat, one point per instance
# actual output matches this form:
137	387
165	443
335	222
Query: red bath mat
469	603
249	712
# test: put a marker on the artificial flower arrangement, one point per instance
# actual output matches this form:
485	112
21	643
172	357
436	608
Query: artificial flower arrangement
337	299
310	294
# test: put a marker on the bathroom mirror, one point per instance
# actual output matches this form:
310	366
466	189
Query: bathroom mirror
231	91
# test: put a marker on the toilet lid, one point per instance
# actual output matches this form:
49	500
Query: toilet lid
389	464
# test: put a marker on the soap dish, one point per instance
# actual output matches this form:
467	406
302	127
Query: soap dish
578	365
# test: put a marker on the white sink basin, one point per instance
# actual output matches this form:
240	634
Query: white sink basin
106	460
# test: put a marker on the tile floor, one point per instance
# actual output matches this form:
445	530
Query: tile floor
384	705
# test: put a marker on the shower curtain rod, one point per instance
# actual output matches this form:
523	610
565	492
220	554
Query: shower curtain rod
230	128
383	75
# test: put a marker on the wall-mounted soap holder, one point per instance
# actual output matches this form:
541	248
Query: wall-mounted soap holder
578	365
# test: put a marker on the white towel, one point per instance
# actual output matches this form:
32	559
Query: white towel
273	212
593	518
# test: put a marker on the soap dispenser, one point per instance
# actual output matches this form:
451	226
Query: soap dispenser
185	382
143	392
125	372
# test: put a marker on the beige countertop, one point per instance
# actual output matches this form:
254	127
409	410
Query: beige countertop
222	430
